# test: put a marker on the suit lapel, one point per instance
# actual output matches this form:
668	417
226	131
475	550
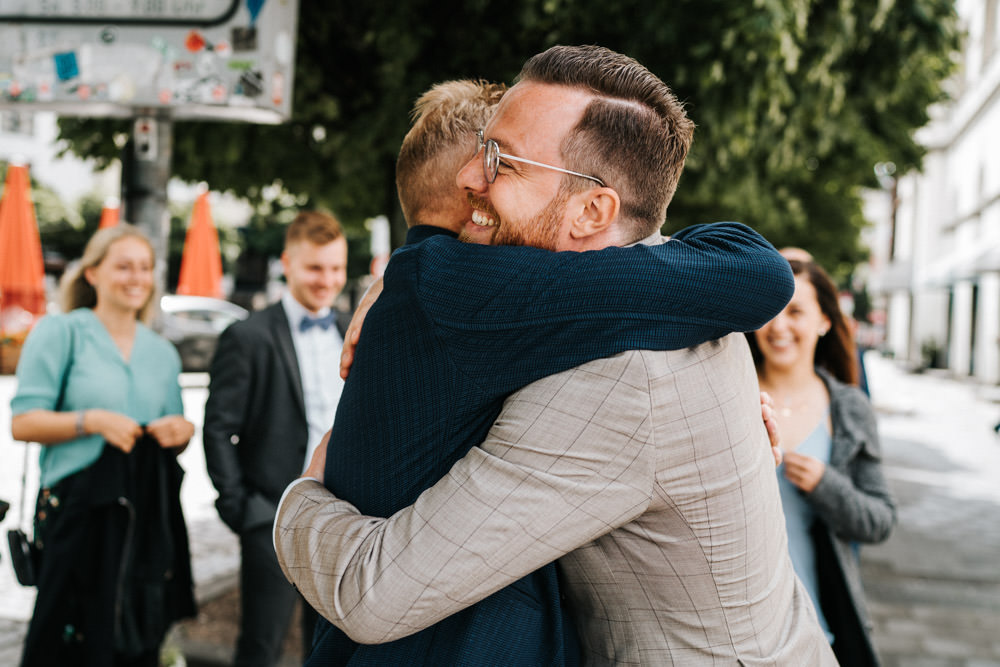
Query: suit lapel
343	321
286	350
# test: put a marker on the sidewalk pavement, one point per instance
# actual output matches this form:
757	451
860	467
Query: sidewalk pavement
933	587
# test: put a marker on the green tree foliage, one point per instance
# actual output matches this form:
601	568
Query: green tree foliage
795	100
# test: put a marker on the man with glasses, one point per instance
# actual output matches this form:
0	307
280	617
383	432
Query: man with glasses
521	314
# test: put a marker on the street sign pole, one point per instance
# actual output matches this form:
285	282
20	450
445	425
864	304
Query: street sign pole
146	163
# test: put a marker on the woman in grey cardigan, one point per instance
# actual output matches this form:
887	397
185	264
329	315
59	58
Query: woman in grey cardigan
833	492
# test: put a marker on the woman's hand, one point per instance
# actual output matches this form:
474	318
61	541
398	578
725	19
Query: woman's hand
803	471
117	429
171	431
771	425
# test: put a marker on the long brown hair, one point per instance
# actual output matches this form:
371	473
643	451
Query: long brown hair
835	351
78	293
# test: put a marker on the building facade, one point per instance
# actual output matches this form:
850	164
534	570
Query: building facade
936	248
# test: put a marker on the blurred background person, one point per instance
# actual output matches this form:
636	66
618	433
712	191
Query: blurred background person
803	255
832	488
273	393
94	384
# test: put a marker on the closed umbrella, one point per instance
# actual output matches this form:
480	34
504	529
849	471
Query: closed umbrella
22	273
110	213
201	262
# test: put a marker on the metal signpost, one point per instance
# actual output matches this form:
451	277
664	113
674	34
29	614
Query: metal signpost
154	61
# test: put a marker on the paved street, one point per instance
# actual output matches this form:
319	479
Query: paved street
934	587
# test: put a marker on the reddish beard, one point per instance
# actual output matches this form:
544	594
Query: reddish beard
541	232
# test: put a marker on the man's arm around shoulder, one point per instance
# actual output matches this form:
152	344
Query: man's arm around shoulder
521	500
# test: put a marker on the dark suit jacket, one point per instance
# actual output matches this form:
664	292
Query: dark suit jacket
459	327
255	429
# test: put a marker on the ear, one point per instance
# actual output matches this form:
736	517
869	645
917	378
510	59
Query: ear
284	261
88	275
597	211
824	327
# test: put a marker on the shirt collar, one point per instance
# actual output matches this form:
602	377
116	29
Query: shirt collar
656	238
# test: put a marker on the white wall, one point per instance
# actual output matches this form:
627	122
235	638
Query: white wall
988	328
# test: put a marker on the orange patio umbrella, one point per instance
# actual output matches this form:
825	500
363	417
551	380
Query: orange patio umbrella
201	263
110	213
22	273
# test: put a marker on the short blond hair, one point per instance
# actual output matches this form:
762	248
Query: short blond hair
442	139
317	227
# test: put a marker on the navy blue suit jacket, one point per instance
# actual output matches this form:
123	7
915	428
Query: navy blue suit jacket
458	328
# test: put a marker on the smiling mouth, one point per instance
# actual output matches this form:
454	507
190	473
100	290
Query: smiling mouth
781	343
482	219
483	214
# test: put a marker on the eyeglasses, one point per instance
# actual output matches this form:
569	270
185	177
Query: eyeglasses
492	157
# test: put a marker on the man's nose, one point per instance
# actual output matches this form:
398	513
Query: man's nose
471	177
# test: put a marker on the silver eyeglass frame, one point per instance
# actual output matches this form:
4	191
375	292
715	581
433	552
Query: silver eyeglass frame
492	157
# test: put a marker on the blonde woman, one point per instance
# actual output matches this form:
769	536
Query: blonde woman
99	390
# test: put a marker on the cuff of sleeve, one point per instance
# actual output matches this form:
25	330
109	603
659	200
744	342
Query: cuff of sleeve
281	502
828	496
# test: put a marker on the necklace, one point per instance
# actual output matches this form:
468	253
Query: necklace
788	408
795	396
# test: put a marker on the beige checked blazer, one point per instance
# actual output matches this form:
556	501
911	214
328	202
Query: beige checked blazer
650	476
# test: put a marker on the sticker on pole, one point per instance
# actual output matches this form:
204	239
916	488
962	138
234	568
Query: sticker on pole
204	59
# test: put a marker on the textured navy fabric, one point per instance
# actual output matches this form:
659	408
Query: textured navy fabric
458	328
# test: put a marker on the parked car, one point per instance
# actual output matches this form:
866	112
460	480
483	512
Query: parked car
193	325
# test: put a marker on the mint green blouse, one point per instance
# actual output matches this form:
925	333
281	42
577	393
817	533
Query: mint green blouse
144	388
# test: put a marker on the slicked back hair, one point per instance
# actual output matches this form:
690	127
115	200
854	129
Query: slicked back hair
634	135
441	141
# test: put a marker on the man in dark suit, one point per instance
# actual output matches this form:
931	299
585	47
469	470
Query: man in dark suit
273	393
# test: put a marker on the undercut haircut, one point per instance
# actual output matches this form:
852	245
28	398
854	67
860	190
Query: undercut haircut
441	141
634	135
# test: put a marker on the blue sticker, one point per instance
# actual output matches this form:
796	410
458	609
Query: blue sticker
66	67
254	6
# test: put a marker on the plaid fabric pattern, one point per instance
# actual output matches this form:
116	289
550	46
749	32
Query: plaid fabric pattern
648	473
459	327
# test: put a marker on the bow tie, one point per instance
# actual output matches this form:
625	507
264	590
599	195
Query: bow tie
323	323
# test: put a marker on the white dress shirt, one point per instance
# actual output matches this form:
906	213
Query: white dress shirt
318	354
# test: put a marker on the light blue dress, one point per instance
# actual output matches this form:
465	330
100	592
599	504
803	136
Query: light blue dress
799	517
144	388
